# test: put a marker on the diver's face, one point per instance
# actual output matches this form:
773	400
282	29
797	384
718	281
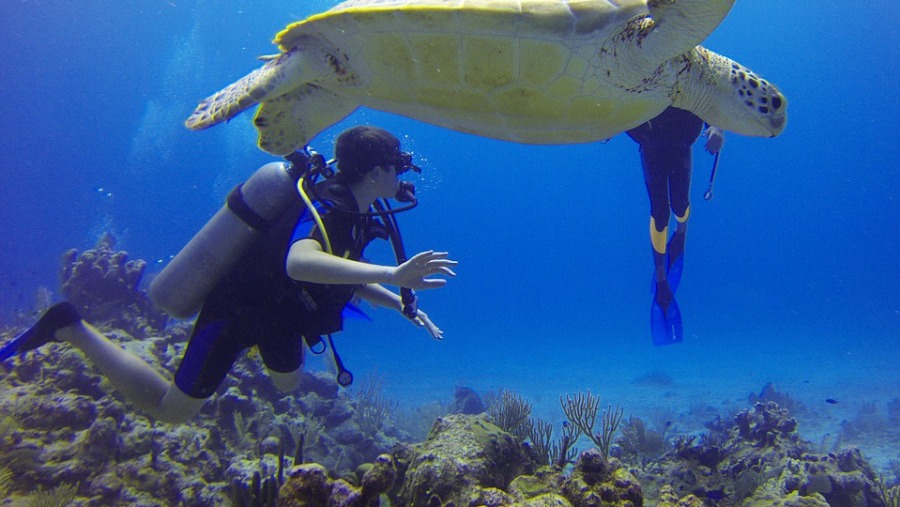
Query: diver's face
386	181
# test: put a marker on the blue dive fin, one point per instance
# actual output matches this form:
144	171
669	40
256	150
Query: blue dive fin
673	274
353	311
665	327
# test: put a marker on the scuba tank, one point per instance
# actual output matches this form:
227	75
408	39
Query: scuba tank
183	285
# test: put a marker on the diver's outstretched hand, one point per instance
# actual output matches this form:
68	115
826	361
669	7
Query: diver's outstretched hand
421	319
414	273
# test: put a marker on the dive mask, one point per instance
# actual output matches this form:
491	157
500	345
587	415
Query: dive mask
402	162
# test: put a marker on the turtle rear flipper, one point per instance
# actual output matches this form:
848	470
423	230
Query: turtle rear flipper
288	122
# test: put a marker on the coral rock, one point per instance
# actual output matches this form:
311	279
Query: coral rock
598	482
545	500
668	498
467	401
766	425
463	456
307	485
380	477
103	285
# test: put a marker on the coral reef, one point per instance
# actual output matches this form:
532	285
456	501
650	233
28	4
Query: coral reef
770	393
639	442
766	425
668	498
63	425
62	432
309	485
759	461
581	410
599	481
468	461
104	286
66	437
510	412
463	459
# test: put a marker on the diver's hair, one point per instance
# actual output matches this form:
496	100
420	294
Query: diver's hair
359	149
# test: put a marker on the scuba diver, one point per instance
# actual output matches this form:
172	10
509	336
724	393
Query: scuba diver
288	268
665	146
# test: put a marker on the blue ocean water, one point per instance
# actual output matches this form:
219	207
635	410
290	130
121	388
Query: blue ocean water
791	271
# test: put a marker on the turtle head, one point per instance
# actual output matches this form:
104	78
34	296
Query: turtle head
757	99
732	97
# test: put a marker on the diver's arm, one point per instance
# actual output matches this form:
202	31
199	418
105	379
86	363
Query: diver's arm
378	295
307	262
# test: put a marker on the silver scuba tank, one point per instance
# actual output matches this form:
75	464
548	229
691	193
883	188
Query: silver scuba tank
183	285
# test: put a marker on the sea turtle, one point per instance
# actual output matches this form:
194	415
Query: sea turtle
531	71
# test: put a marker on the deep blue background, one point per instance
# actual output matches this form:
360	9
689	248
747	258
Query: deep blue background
792	270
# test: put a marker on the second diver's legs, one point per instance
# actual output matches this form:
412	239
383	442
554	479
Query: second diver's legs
656	179
679	197
665	316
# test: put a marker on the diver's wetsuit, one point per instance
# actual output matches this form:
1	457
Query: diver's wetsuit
258	304
665	145
666	142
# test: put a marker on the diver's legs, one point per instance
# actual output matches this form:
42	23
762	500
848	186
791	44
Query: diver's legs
177	407
678	239
286	382
282	352
141	384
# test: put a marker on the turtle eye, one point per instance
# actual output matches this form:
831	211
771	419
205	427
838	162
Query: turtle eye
776	102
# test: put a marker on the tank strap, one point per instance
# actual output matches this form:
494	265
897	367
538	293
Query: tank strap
239	207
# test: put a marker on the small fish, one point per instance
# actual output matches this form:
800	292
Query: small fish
831	401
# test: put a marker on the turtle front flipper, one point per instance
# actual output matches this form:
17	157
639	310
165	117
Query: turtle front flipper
288	122
278	76
679	25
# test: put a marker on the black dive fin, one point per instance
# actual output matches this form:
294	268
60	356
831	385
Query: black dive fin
12	348
55	318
